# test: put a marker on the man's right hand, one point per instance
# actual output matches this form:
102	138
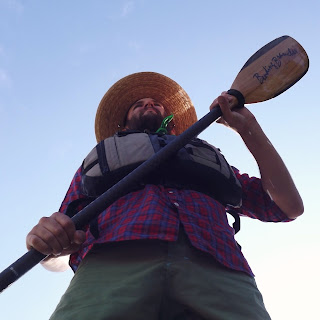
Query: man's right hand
55	235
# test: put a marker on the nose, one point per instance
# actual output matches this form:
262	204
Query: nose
149	103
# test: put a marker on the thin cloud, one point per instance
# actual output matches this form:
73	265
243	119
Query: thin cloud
134	45
127	8
124	11
4	79
14	5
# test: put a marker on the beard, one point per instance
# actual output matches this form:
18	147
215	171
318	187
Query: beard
148	121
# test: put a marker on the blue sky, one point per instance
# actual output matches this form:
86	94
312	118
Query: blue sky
58	58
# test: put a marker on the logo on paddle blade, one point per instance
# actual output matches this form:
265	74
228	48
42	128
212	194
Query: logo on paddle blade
275	63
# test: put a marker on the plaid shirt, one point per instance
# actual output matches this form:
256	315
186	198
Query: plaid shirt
156	212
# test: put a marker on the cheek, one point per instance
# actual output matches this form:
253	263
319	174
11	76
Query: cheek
130	114
163	112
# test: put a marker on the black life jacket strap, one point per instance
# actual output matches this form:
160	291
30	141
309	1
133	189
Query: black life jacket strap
102	157
94	228
75	206
236	223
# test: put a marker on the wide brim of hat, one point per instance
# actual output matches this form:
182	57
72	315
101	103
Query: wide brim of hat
115	104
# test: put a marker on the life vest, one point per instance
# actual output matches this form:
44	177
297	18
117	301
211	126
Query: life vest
197	166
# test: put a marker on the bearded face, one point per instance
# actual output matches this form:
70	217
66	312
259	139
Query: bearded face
145	114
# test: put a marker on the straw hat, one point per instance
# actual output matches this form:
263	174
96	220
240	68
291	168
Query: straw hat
118	99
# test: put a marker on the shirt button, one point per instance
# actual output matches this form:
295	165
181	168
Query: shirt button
176	204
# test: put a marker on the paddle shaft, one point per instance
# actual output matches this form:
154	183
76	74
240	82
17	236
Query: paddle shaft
83	217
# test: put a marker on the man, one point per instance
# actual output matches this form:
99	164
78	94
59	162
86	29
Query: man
164	250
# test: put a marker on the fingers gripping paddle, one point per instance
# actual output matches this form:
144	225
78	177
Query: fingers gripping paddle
269	72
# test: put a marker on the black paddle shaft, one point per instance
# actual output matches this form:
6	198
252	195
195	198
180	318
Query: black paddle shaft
83	217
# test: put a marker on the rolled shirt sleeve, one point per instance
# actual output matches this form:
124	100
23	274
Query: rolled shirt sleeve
256	203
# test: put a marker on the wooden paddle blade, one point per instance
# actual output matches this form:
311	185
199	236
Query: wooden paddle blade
272	70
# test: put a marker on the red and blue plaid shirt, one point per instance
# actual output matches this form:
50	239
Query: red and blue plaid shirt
156	212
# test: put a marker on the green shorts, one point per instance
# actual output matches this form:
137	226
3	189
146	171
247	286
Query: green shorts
153	280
